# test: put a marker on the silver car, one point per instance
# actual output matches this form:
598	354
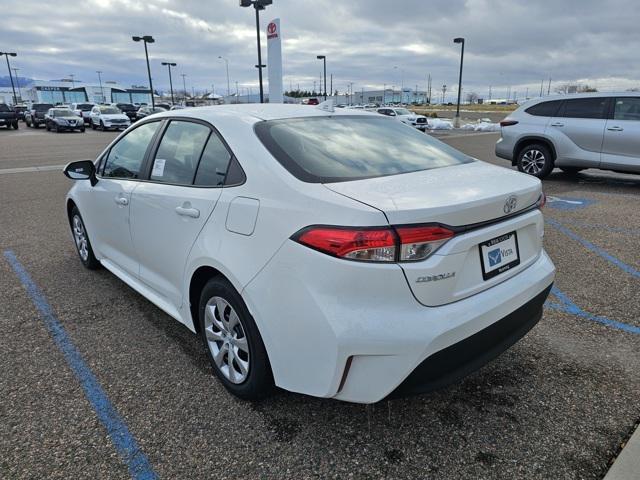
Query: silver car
574	132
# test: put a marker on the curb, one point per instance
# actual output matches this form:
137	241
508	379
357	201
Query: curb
627	465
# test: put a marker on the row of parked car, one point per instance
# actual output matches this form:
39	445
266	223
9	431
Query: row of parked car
76	116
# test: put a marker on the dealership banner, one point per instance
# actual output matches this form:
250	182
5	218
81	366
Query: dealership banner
274	61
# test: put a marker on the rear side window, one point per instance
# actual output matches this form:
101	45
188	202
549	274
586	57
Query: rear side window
627	108
179	152
544	109
341	148
584	108
125	157
213	164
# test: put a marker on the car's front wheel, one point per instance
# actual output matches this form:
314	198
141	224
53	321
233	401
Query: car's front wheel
234	345
535	160
81	239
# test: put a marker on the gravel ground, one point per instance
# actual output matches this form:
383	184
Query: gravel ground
556	405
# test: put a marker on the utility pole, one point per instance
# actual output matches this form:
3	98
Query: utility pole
15	70
331	85
99	72
169	65
444	90
7	55
549	89
489	92
184	87
541	86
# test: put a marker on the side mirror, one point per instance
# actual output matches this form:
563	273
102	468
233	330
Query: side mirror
81	170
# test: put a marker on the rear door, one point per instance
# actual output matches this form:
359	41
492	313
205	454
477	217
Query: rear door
577	131
621	146
168	211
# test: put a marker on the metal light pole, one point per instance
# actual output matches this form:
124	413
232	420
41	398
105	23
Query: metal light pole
7	55
456	120
147	39
227	64
324	62
184	87
99	72
258	5
401	82
15	70
169	65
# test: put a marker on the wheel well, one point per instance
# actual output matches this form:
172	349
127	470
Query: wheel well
198	280
529	141
70	205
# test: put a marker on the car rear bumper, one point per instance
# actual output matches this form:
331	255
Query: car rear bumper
353	331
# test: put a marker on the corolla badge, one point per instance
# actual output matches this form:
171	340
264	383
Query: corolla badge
435	278
510	204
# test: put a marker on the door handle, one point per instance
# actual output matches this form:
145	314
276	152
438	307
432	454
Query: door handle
121	200
188	212
615	128
557	124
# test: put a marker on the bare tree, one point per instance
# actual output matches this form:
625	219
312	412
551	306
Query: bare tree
472	97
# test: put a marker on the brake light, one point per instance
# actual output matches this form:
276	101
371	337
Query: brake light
383	244
368	244
508	123
417	243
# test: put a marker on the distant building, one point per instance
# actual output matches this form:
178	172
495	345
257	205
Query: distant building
65	91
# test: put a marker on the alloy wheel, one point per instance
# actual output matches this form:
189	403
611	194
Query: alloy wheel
227	340
533	161
80	238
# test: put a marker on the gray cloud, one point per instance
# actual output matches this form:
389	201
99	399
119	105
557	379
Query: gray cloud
514	43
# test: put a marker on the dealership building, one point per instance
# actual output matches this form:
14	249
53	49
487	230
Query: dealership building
66	91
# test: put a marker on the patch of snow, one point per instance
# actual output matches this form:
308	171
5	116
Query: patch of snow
437	124
482	126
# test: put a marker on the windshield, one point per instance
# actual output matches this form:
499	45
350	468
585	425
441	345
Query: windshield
403	111
109	110
342	148
4	108
126	107
85	107
42	107
62	113
158	110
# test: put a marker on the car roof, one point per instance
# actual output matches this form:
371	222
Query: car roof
258	112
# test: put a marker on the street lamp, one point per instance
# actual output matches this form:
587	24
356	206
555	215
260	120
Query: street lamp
324	62
227	64
401	82
99	72
456	120
7	55
15	70
169	65
184	87
147	39
258	5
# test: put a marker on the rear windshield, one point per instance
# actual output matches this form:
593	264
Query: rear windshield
342	148
42	107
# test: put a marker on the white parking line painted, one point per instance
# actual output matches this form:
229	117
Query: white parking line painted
43	168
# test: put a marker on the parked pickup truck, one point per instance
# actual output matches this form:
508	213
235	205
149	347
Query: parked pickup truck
34	117
8	117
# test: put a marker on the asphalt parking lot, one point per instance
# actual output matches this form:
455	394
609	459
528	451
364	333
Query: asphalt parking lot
556	405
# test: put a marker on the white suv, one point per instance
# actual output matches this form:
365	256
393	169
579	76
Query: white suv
574	132
106	117
405	116
334	253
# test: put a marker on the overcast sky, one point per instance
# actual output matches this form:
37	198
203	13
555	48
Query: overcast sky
510	43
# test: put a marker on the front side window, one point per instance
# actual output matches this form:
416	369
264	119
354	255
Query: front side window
627	108
179	152
214	163
343	148
125	157
584	108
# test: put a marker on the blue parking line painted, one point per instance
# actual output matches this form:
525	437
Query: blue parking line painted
567	306
126	446
568	203
602	226
597	250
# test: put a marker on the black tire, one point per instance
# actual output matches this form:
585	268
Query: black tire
102	126
571	170
58	129
81	129
90	262
535	159
93	125
15	125
259	379
28	122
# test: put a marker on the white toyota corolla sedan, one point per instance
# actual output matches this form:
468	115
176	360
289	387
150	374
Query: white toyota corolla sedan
338	254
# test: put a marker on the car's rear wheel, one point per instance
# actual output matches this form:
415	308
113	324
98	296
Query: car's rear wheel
93	125
571	170
234	345
102	126
536	160
81	239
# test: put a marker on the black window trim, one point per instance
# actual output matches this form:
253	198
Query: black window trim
560	104
149	156
606	111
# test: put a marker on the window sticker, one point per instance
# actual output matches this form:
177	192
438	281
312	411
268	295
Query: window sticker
158	167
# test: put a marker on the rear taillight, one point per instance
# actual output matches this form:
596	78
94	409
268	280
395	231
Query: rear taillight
542	201
417	243
508	123
384	244
372	245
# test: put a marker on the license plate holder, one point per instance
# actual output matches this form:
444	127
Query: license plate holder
499	255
